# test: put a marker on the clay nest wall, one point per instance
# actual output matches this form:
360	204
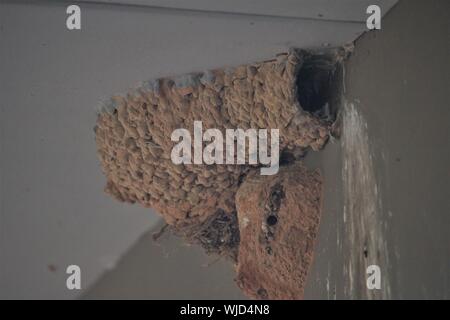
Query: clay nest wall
133	136
278	221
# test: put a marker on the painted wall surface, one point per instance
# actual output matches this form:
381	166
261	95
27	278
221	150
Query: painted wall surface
53	211
336	10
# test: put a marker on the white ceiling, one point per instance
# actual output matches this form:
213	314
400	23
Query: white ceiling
339	10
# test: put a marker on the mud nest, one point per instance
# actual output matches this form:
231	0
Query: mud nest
133	136
278	222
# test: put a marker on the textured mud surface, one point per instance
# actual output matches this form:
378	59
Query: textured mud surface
278	222
133	135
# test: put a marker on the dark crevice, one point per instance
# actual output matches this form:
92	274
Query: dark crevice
272	220
316	83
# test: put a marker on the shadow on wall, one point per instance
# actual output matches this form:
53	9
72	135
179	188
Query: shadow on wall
167	269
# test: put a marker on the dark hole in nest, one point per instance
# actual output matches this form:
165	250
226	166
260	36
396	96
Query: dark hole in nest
262	293
314	84
277	193
241	179
286	157
272	220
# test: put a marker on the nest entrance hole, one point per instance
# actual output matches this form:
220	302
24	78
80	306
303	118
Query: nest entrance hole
316	83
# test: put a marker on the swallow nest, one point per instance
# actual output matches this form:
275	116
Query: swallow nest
133	136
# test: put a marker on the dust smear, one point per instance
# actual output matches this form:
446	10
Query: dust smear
364	234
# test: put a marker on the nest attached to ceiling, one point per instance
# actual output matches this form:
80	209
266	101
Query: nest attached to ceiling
133	136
